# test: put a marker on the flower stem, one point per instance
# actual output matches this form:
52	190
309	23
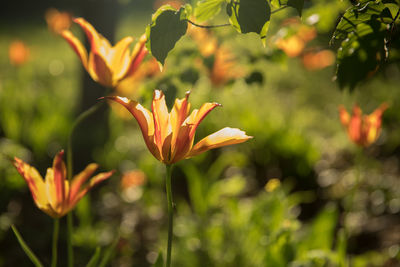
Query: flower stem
170	213
55	242
70	171
70	249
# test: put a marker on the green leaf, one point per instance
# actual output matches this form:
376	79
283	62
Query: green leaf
250	16
364	12
160	261
361	54
95	258
109	252
26	249
297	4
207	9
167	27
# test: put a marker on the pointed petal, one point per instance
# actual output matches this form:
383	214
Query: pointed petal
94	181
224	137
138	54
77	46
120	60
80	179
95	39
187	131
178	114
200	115
99	71
373	124
144	118
344	116
35	182
161	119
59	173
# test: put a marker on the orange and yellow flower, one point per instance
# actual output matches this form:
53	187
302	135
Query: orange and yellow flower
170	136
362	129
58	21
55	195
106	64
18	53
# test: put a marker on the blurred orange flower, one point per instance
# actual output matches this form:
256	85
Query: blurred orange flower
362	129
106	64
58	21
55	195
294	45
170	136
18	53
318	60
224	66
130	85
132	179
174	3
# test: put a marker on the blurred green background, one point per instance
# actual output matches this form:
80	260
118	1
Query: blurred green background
326	203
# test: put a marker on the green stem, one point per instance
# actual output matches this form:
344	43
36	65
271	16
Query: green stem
208	26
278	9
55	242
26	249
70	249
170	213
84	115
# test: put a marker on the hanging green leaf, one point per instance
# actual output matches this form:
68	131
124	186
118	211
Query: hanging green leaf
167	27
297	4
361	54
250	16
363	12
207	9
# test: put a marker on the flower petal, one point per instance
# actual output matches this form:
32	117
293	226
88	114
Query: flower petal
224	137
77	46
178	114
161	119
80	179
344	116
145	120
96	40
35	183
200	115
138	54
119	60
99	71
94	181
59	173
373	124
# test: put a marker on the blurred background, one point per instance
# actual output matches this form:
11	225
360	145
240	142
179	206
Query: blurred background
300	193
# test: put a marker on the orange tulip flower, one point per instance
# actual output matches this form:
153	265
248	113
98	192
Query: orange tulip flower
55	195
58	21
362	129
18	53
106	64
170	136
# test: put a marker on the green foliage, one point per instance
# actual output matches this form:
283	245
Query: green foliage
250	16
207	9
160	260
297	4
167	27
366	29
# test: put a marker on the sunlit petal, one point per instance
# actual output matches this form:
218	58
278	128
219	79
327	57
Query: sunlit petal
80	179
224	137
161	118
144	118
35	182
77	46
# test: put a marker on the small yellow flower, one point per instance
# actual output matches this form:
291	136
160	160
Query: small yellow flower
106	64
170	136
55	195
